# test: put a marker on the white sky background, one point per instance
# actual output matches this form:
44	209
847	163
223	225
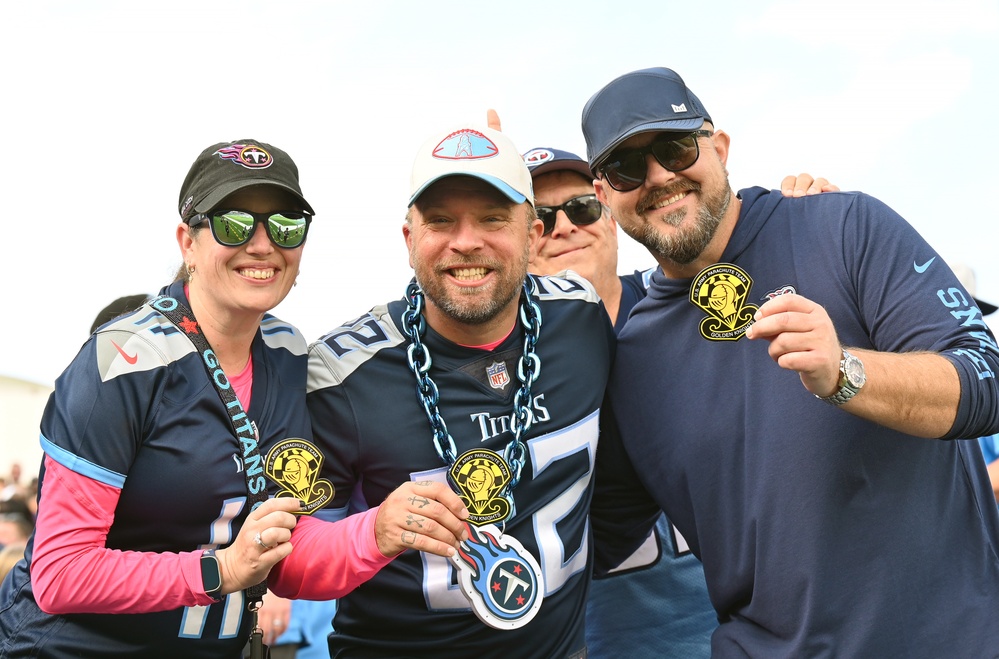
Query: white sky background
106	105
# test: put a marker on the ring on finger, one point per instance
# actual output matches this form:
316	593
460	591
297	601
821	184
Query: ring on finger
257	539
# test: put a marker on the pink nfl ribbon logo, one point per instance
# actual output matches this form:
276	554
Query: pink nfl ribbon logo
498	376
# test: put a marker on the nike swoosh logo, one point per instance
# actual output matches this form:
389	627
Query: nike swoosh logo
922	268
131	359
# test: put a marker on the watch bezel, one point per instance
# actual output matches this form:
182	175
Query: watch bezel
211	574
853	370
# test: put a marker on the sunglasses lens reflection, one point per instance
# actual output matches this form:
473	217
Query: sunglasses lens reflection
233	228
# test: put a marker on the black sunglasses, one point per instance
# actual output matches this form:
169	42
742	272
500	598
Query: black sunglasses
581	210
233	228
626	169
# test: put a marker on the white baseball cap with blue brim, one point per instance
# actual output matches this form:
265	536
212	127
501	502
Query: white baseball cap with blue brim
479	152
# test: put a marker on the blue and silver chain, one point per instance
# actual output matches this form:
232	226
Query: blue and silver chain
528	370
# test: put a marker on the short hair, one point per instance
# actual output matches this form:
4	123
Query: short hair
119	307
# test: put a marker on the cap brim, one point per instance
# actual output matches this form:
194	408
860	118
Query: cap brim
218	194
567	165
691	124
507	191
986	307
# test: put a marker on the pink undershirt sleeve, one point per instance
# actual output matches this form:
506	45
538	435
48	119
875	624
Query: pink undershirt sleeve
329	559
72	571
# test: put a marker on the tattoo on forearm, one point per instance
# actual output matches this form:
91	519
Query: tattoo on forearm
408	537
419	502
410	520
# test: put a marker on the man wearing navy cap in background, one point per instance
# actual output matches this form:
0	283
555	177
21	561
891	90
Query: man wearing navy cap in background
794	466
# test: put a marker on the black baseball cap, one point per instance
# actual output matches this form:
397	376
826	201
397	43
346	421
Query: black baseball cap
226	167
653	99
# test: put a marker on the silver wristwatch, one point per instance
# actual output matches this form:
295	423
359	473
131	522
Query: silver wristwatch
851	378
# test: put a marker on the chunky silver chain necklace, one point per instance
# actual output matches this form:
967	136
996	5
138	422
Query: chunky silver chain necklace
528	370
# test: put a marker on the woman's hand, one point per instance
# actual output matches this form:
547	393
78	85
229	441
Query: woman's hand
261	543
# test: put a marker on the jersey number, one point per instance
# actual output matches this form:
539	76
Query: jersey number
439	587
192	623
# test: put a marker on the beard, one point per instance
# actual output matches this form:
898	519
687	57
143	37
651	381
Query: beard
472	306
684	245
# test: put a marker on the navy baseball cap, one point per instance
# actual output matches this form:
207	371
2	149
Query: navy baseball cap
638	102
223	168
542	160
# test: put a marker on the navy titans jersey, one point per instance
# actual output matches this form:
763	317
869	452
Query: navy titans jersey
367	416
135	410
821	534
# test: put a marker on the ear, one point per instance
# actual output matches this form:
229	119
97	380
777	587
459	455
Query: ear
186	243
601	192
407	234
721	140
534	238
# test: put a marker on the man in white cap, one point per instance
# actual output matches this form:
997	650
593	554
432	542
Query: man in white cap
490	380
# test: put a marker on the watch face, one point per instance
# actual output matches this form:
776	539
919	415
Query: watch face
211	576
853	369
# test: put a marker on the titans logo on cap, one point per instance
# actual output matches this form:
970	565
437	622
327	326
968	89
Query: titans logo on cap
465	144
537	157
294	464
250	156
721	290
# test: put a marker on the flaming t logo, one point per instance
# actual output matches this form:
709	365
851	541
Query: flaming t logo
501	579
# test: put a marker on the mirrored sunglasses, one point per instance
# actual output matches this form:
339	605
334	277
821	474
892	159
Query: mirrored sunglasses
232	228
581	210
626	169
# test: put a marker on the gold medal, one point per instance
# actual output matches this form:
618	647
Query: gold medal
480	477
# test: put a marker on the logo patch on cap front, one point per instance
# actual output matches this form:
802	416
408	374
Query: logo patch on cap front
250	156
537	157
465	144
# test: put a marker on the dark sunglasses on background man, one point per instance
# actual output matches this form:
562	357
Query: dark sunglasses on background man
233	228
626	169
581	210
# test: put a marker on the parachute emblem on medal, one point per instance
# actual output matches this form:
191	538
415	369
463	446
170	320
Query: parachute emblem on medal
480	477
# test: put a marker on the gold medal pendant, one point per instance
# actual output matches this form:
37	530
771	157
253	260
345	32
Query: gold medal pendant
480	477
500	579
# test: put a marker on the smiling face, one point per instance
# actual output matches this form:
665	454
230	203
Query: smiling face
470	247
589	249
248	280
677	215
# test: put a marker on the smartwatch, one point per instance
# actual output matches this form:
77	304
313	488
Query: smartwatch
211	575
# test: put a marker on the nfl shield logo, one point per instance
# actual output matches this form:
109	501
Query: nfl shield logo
498	377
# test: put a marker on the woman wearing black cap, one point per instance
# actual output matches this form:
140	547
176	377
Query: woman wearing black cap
164	435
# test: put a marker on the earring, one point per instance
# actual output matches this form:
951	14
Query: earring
190	271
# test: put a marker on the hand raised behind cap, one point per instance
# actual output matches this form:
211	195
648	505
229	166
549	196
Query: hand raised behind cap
493	120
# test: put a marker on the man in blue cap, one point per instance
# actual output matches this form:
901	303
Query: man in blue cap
655	605
775	387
